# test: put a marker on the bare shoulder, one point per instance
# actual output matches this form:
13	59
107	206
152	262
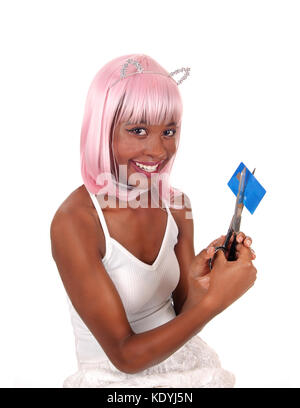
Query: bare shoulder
183	216
73	235
77	202
76	215
87	282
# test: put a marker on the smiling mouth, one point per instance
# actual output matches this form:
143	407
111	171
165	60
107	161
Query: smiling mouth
147	167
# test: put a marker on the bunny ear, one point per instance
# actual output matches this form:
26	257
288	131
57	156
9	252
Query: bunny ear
186	74
139	68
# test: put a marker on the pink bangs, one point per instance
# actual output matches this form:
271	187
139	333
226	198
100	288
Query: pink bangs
149	98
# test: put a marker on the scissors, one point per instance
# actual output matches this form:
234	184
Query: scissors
234	226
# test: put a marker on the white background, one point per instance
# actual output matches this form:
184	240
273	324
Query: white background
241	103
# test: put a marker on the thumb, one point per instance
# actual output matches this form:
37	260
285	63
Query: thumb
219	257
204	255
243	253
199	266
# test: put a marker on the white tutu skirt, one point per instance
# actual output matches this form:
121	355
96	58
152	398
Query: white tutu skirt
194	365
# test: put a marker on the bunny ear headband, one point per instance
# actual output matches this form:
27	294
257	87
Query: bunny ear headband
140	70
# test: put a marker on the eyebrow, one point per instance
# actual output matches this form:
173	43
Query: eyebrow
144	123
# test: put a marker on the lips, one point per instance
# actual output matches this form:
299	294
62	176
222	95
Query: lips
147	163
147	167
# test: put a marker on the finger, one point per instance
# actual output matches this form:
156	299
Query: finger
240	237
244	253
253	253
247	241
210	252
219	257
217	242
204	255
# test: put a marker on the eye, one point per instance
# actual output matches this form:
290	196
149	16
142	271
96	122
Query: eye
170	130
136	131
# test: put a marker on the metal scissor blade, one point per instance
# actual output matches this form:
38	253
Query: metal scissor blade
239	204
228	235
234	226
236	219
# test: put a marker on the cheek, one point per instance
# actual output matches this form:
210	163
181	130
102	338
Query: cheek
172	146
126	149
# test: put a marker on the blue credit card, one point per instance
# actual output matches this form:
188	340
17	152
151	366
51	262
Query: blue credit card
254	191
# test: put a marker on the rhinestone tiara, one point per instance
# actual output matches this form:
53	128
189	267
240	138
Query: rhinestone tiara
140	70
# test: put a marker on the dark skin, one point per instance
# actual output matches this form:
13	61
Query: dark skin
142	237
78	244
144	143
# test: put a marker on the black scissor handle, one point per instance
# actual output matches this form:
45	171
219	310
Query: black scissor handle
218	248
232	251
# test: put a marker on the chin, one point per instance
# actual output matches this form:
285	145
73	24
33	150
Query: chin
141	185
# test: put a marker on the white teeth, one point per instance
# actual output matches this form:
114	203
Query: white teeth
147	168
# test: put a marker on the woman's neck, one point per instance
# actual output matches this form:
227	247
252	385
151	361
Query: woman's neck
148	199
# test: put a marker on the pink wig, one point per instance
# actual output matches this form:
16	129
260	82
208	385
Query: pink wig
150	98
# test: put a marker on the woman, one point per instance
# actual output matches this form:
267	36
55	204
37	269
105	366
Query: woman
123	243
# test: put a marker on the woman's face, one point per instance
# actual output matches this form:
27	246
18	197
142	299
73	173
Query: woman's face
144	149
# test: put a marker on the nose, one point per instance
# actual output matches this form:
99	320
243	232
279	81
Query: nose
155	149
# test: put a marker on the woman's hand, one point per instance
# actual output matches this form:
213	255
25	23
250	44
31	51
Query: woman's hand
229	280
244	240
200	274
200	265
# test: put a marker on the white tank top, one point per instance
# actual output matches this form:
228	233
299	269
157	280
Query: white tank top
145	290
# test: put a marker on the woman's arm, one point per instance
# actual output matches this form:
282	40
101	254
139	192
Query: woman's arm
185	252
95	298
75	249
191	264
